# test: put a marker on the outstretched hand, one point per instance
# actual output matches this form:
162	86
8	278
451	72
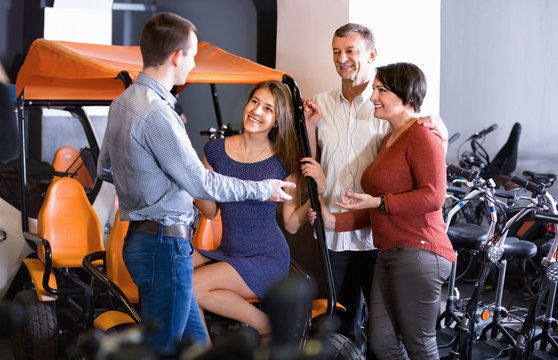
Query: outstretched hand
355	201
312	168
278	195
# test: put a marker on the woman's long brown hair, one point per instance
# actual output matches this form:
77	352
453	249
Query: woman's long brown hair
283	136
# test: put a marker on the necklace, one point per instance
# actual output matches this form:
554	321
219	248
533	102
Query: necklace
253	158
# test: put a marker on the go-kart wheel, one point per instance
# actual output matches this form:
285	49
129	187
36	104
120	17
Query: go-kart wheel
344	348
37	338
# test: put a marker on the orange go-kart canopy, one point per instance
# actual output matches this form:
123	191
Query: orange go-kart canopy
62	70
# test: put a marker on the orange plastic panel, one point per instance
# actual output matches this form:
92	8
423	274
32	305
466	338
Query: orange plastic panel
62	70
524	228
69	223
319	306
36	269
208	233
68	159
112	318
116	269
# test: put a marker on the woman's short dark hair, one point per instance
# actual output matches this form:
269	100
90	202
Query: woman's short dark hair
164	34
405	80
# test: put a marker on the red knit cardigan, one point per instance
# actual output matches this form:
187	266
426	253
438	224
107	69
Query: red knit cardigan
411	174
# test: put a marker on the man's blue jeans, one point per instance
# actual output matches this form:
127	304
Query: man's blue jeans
162	269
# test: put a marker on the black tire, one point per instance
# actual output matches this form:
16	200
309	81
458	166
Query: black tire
344	348
37	339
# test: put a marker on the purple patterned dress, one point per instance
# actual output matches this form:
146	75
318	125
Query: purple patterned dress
252	241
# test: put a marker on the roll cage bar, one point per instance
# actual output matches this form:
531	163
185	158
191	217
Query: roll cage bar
126	77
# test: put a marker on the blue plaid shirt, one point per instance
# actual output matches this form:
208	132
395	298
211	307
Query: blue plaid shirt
149	158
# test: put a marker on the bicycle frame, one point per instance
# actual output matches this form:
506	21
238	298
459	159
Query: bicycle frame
452	293
462	344
493	251
525	341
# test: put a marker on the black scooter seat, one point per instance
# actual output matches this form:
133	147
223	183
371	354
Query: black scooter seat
519	249
545	248
547	179
467	236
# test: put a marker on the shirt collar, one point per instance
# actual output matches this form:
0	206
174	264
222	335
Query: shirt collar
364	96
156	86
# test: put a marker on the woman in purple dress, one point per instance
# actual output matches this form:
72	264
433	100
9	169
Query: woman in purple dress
253	253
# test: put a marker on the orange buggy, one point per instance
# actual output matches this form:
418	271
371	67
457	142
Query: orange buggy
61	296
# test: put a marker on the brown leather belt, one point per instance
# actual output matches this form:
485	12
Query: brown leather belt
152	227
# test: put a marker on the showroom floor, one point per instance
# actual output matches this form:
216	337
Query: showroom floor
512	298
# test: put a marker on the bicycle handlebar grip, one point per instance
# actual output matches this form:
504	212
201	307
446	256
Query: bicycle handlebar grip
453	138
484	132
544	216
505	194
226	132
467	174
230	132
489	129
455	190
531	186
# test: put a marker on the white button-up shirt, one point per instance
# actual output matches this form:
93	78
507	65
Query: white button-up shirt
349	137
149	158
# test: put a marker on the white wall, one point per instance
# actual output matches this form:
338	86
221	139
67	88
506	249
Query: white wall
409	31
79	21
405	30
304	32
499	65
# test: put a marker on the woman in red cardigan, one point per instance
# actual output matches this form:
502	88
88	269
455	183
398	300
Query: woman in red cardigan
405	188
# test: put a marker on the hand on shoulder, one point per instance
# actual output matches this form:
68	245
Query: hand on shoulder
436	126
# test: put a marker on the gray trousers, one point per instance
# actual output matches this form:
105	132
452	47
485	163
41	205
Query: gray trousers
404	303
